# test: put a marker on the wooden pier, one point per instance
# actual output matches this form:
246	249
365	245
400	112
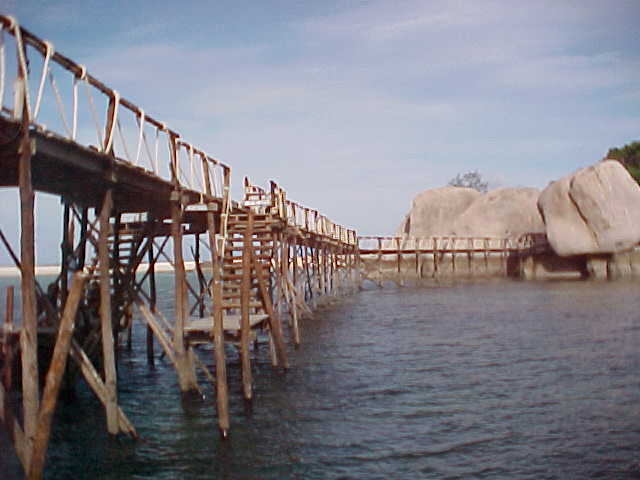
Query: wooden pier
414	259
138	193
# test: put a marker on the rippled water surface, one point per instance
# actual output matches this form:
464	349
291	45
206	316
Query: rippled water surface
493	380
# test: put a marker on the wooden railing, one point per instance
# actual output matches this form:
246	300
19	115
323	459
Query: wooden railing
294	214
122	129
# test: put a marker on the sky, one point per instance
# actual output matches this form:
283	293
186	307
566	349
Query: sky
354	107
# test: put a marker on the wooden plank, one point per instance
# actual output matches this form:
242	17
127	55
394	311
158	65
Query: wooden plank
54	377
245	326
108	357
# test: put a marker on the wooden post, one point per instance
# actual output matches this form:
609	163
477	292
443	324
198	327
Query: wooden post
399	253
108	358
64	251
152	297
435	256
245	299
222	390
274	319
379	262
54	378
84	221
29	331
418	265
7	377
185	368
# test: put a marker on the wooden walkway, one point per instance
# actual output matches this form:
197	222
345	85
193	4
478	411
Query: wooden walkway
261	262
403	259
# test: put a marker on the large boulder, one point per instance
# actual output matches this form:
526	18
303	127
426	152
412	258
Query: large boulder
432	211
593	211
504	212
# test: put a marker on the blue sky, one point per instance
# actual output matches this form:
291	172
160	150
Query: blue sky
356	106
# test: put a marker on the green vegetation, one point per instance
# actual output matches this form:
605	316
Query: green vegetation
471	179
629	156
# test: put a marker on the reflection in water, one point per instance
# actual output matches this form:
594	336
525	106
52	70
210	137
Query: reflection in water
499	380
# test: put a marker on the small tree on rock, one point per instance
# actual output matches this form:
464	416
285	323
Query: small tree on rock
472	179
629	156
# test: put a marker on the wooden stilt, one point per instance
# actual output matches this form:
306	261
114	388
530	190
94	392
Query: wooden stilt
108	358
245	299
185	368
274	319
54	378
65	249
222	389
29	331
152	296
7	354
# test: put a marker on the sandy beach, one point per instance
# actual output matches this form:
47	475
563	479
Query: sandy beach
161	267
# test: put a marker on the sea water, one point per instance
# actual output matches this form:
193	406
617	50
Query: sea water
498	379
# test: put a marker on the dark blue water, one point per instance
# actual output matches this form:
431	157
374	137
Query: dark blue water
494	380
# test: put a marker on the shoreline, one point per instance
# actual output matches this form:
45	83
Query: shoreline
161	267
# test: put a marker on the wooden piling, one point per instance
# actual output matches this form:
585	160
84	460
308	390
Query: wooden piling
29	331
7	354
153	299
54	378
108	358
185	368
274	319
245	299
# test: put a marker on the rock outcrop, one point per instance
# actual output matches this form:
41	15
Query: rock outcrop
593	211
432	211
504	212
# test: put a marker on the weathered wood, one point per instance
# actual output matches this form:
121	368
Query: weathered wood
185	368
14	430
7	347
153	298
108	357
274	319
222	390
245	291
64	253
54	378
154	326
29	331
98	386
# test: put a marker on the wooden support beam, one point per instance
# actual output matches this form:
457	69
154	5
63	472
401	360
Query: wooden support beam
153	297
29	331
98	386
185	367
222	389
108	356
7	347
14	430
245	290
54	378
274	319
